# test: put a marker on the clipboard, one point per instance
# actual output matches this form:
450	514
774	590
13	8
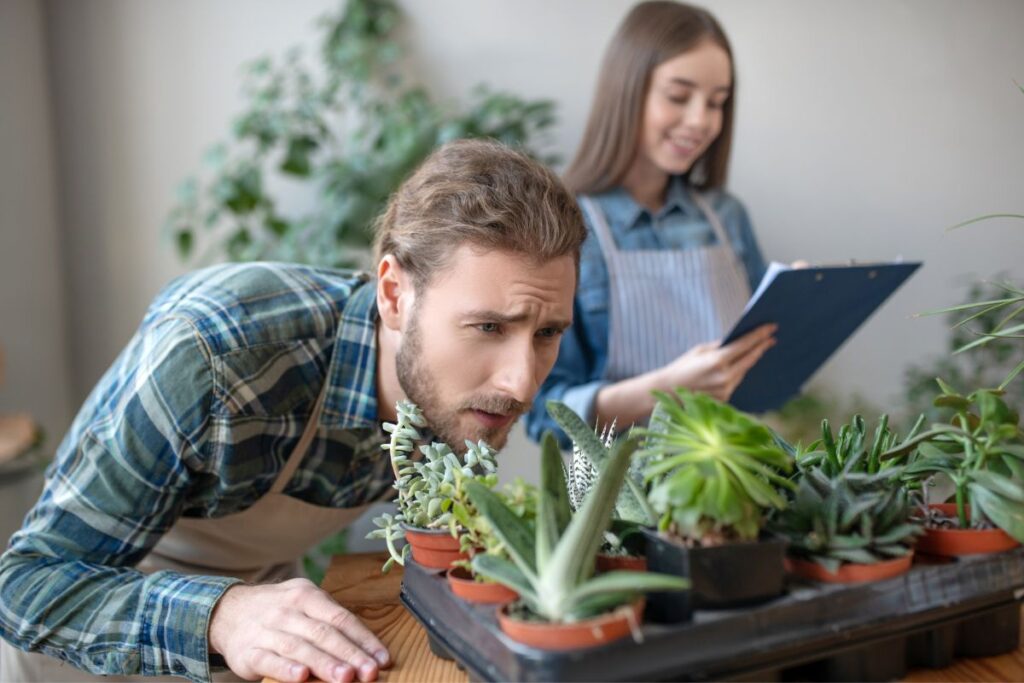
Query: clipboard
817	309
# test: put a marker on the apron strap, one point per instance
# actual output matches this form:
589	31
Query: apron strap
305	440
716	225
601	229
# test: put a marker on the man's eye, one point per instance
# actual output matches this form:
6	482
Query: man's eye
489	328
549	333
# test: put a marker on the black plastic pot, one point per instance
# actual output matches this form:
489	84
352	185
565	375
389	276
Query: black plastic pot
730	575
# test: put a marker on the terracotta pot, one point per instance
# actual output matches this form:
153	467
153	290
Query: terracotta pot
469	589
613	563
955	542
850	573
581	634
434	548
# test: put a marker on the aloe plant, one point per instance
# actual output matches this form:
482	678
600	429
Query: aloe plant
847	517
432	490
631	507
981	450
552	565
713	471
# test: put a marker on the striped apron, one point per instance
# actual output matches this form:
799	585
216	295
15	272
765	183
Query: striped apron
663	302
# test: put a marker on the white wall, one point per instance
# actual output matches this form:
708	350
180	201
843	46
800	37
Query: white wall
33	332
864	130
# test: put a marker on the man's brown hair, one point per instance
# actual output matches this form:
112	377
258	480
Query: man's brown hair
482	193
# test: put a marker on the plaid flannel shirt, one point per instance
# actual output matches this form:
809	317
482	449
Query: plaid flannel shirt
195	418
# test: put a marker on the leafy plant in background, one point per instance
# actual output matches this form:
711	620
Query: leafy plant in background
974	359
432	491
343	134
713	471
552	565
981	450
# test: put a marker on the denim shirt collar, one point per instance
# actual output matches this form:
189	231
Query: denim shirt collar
622	210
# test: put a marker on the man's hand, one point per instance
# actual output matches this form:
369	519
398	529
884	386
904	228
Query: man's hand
291	631
717	370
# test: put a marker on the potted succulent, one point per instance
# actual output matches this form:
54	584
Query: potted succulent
477	537
563	605
431	492
713	472
851	517
981	453
623	546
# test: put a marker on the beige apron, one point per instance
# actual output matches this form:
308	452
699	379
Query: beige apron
262	543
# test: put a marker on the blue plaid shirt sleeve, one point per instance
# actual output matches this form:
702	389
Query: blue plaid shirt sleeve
67	583
195	417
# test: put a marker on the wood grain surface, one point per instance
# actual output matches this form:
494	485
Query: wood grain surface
356	582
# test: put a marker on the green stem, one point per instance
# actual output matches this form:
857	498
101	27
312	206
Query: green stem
961	513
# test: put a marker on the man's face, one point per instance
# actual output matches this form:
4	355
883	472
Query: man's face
481	338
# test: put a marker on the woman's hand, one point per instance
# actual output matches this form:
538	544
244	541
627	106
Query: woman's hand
717	370
292	631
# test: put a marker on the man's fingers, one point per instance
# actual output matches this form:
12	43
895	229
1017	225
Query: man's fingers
323	609
328	639
270	665
321	664
747	361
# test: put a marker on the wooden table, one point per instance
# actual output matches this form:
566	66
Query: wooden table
355	581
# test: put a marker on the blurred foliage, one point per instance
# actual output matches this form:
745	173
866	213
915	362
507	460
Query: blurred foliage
799	420
343	133
986	365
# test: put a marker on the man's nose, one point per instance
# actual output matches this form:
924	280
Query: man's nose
516	376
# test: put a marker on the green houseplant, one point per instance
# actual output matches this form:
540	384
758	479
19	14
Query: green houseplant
562	604
433	508
345	130
477	538
713	473
623	545
851	516
980	451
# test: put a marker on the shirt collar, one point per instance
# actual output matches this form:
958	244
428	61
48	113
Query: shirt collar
351	401
622	210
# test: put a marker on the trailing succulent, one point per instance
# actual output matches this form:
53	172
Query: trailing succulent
981	450
431	490
713	471
551	565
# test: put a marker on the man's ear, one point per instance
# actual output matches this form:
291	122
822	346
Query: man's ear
395	293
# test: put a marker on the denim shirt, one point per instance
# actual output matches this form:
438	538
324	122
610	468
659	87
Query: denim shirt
578	373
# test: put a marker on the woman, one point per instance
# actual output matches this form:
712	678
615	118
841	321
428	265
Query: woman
670	257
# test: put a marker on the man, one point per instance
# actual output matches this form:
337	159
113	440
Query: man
241	425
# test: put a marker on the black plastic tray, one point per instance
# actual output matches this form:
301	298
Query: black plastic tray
814	631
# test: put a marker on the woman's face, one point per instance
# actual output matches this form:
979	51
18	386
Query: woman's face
683	109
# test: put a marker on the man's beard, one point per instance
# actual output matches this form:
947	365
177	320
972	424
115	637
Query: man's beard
420	387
